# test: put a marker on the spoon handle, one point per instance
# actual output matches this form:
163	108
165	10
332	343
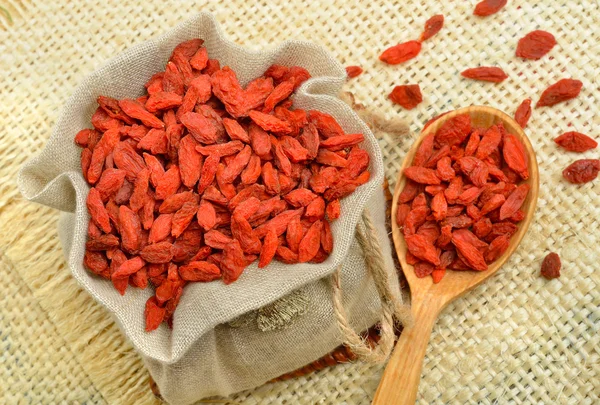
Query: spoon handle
400	382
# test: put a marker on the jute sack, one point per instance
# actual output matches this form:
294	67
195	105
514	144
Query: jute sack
227	338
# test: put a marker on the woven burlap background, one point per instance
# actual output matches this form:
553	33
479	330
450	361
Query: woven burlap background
516	339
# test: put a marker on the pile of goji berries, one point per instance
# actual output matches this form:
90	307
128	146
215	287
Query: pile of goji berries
201	177
462	198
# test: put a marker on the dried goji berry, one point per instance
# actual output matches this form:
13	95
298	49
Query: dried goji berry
408	95
285	255
233	262
199	271
454	189
574	142
353	71
157	252
582	171
489	142
235	131
110	182
280	93
470	254
183	217
454	131
96	262
423	269
430	230
242	231
458	221
270	123
488	7
209	170
153	314
497	248
535	45
421	175
434	189
199	60
136	110
432	27
563	90
485	73
310	243
420	247
439	206
411	259
474	212
326	125
269	247
468	196
128	267
551	266
438	274
257	92
482	227
161	228
473	143
401	52
523	113
514	201
514	155
200	127
315	209
97	210
444	169
333	209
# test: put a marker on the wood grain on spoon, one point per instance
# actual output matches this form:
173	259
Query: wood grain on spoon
400	381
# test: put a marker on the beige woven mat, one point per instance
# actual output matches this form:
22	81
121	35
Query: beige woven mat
517	339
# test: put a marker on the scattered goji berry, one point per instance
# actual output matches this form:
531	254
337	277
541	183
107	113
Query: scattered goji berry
485	73
551	266
563	90
488	7
582	171
574	142
353	71
408	96
401	52
432	27
535	45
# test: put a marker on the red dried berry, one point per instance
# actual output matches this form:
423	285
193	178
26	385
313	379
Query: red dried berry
488	7
485	73
551	266
582	171
563	90
535	45
523	113
353	71
408	96
401	52
576	142
432	27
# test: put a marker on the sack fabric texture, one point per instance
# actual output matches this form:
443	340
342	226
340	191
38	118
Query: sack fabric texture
517	339
203	355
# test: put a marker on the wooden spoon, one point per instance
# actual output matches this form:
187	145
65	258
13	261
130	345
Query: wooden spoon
400	381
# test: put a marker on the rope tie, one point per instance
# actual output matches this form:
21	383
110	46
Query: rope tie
391	307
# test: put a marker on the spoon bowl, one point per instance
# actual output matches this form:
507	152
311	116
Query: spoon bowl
399	384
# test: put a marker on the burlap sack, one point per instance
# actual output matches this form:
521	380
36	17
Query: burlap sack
209	351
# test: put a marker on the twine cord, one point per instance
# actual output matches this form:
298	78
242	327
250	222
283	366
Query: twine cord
391	307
